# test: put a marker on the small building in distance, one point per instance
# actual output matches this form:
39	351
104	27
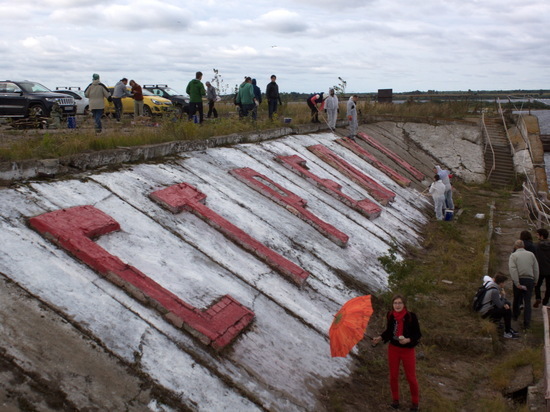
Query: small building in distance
385	95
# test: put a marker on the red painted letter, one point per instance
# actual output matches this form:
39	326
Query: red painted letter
375	189
298	166
184	196
376	144
369	157
73	229
290	201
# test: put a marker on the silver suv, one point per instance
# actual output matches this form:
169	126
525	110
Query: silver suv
30	99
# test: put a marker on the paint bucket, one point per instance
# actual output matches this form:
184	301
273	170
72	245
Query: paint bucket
449	213
195	118
71	122
287	120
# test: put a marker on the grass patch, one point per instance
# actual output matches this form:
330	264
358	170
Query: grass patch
432	110
462	363
504	371
36	144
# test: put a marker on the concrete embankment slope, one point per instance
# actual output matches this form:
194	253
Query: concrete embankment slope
217	292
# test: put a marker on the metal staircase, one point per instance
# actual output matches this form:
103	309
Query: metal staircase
499	164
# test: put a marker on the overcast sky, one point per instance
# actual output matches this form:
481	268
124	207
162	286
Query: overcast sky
371	44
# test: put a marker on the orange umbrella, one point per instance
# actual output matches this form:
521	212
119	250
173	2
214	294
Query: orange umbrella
349	325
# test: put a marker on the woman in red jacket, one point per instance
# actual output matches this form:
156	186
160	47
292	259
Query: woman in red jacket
403	333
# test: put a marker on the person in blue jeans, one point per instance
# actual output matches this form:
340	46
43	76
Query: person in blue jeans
524	271
97	92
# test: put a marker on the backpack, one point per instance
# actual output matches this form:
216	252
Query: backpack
480	297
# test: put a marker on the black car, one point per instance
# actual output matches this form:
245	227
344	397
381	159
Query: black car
180	102
31	99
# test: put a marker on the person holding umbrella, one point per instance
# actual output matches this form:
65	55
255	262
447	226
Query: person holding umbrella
403	333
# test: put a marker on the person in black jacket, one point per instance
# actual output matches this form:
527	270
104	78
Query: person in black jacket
258	97
272	96
403	333
316	103
528	244
543	258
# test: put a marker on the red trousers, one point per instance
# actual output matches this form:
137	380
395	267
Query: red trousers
408	357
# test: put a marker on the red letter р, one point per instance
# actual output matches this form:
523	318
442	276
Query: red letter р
290	201
184	196
370	158
379	146
374	188
298	165
73	229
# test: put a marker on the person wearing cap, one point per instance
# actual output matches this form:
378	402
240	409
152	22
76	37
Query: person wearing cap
331	107
119	92
272	96
211	96
97	92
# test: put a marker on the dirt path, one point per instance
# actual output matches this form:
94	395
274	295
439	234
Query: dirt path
510	220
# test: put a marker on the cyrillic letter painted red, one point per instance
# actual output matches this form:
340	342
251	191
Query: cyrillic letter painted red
375	189
184	196
376	144
370	158
73	229
298	165
290	201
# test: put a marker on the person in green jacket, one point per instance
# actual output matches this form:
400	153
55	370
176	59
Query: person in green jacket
245	98
195	90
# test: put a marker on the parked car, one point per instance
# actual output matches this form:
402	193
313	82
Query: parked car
152	104
27	99
180	101
82	102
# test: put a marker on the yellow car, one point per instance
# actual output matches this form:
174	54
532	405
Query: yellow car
152	104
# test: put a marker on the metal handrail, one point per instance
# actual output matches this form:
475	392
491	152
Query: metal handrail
530	194
536	207
484	126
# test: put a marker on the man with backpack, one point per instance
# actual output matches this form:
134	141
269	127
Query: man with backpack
491	303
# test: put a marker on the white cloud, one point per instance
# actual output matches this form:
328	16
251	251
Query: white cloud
282	21
135	16
238	51
436	44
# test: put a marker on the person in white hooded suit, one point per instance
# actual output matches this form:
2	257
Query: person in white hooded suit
437	190
444	175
